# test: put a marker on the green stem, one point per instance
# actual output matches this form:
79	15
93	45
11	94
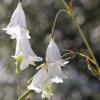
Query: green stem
82	36
86	42
25	94
57	15
65	4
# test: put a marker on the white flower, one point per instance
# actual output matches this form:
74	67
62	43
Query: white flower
41	84
17	19
54	61
24	50
39	79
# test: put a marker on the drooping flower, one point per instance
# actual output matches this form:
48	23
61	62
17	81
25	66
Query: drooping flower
41	84
39	80
17	20
54	62
24	50
49	72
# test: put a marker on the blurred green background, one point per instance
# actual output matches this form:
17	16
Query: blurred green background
40	15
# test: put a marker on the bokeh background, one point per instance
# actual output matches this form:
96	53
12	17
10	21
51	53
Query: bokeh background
40	14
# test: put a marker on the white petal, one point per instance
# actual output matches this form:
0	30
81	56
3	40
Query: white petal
57	80
14	31
22	41
18	17
36	59
39	80
29	60
62	62
32	87
23	44
24	49
66	62
17	20
52	53
55	73
11	31
25	63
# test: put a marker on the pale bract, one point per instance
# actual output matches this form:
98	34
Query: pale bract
24	50
54	62
17	20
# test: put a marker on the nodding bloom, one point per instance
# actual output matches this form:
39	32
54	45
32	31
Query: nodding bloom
48	73
41	84
24	50
17	20
54	62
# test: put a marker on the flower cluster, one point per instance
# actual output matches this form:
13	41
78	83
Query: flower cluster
17	29
49	72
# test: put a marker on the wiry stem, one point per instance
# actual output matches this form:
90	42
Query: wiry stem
82	35
65	4
86	43
25	94
57	15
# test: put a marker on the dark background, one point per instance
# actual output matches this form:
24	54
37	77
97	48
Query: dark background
40	14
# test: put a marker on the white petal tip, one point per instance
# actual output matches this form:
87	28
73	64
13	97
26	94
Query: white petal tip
66	62
32	87
37	59
57	80
23	67
4	29
13	57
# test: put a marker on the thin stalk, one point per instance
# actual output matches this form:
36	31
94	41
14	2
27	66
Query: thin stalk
87	44
25	94
65	4
82	36
57	15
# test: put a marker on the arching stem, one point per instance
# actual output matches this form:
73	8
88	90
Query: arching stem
81	34
54	24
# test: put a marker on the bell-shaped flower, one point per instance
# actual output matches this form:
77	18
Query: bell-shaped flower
55	73
24	50
17	19
54	61
41	84
38	81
